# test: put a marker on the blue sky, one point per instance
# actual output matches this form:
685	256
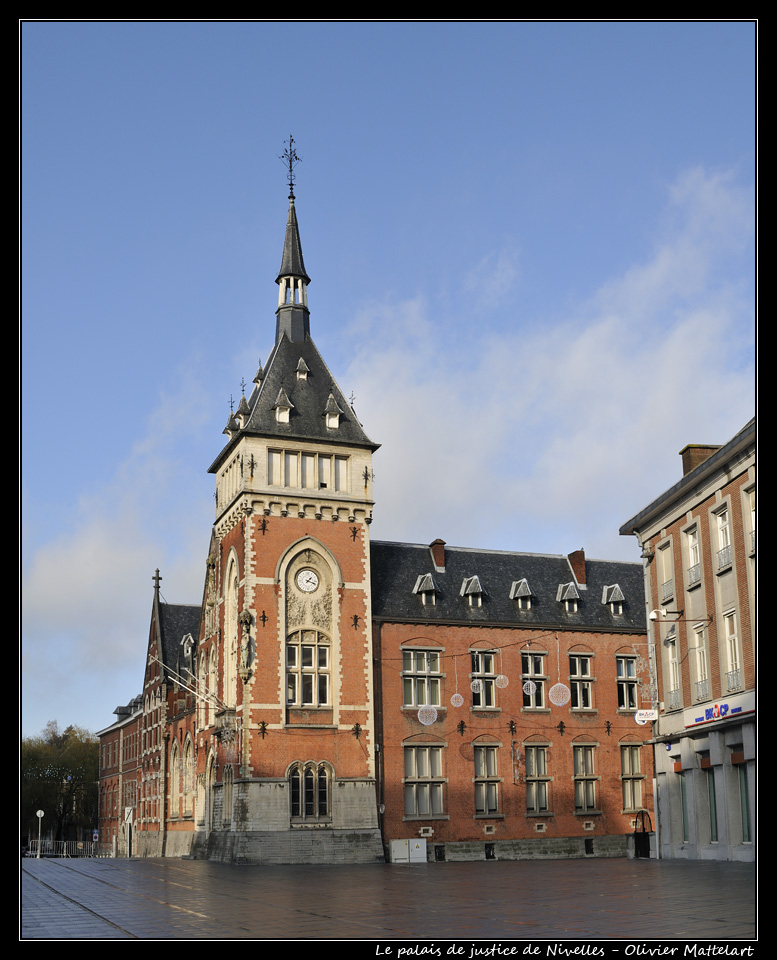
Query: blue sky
531	247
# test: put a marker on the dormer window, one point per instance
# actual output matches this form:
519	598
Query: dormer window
302	370
426	588
567	594
282	407
472	589
332	412
520	591
613	597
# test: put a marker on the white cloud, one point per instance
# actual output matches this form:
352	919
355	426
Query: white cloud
554	436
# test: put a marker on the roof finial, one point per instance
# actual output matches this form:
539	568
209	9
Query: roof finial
291	157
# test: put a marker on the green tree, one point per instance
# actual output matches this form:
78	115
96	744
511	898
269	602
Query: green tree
59	776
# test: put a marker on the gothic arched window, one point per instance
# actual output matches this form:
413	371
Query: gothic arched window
310	788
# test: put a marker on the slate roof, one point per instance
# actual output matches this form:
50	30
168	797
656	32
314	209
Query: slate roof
176	620
309	399
396	568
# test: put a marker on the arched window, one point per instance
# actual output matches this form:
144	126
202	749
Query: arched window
188	778
230	634
228	778
175	780
311	790
307	669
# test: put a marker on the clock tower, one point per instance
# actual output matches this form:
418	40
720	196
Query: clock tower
287	725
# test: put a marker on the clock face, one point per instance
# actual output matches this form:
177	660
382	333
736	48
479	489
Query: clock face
307	580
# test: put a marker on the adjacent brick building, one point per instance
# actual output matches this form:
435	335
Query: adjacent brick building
698	546
333	695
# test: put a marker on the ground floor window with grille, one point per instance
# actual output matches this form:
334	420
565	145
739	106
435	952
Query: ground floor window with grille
423	782
486	781
310	787
631	777
537	780
585	779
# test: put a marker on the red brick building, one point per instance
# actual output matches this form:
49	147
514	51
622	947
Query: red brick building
309	710
698	547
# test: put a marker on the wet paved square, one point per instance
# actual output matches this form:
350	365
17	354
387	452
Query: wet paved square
494	901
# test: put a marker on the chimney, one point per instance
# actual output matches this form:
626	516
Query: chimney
577	562
437	548
695	453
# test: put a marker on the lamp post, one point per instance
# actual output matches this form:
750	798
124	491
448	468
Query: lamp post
39	815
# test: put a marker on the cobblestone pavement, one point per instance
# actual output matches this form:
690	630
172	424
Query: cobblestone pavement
561	900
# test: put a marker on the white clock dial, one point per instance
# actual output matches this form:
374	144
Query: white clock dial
307	580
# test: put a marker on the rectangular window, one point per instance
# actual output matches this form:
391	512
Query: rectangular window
694	557
306	471
537	780
486	782
483	680
734	678
420	678
631	777
665	572
534	680
744	802
307	669
580	682
724	538
699	660
627	683
423	782
585	779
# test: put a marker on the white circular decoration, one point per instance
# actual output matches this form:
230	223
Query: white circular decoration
457	700
427	715
529	688
559	694
502	681
476	686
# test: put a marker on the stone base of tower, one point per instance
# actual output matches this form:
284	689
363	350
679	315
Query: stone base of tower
261	830
292	846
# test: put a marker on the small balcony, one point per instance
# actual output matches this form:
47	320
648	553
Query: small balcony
734	681
724	557
694	574
674	700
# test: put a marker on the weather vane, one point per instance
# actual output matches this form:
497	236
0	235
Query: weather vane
292	158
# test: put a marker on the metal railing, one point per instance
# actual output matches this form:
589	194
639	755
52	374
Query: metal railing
674	699
703	690
694	574
724	557
61	848
734	680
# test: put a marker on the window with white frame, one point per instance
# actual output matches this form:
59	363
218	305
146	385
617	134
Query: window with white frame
698	657
307	471
486	781
537	780
631	776
613	597
307	669
674	697
483	679
626	670
750	519
581	681
693	551
423	781
310	787
722	523
421	680
665	569
585	778
534	677
734	677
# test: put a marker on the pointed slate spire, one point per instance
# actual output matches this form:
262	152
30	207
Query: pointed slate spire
293	316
